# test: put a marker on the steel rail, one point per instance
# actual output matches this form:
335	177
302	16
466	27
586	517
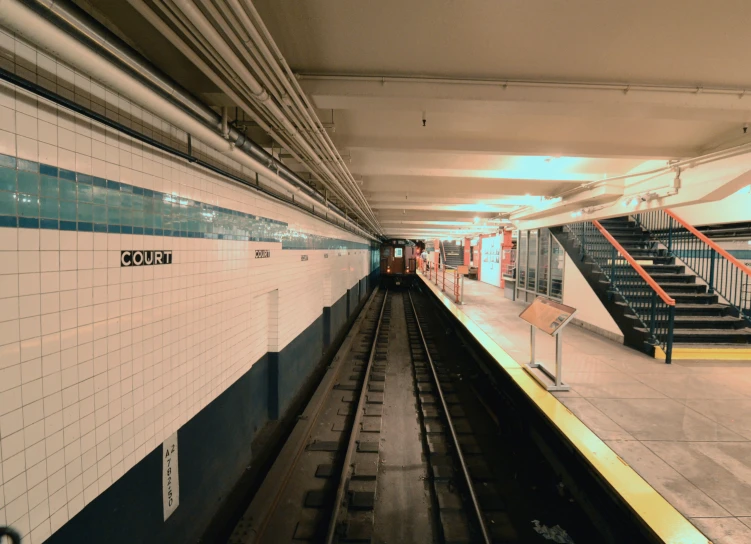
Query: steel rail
465	470
310	417
354	434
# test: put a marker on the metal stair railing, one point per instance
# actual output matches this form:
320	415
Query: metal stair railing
723	273
446	278
654	308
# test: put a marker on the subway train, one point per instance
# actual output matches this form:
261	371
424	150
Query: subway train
399	261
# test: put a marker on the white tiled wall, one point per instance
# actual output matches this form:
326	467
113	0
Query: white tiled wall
99	364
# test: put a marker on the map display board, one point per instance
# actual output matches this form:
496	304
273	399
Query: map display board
490	271
547	315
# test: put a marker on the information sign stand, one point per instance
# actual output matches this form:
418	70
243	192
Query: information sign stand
550	317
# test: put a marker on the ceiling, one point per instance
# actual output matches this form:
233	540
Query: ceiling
449	113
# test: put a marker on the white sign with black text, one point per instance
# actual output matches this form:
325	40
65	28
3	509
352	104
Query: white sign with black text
170	478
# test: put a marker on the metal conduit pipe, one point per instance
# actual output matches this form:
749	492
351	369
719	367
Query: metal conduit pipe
167	31
40	31
264	81
176	40
699	160
226	73
261	95
324	144
195	33
277	59
71	17
68	15
729	153
148	14
179	18
218	58
310	135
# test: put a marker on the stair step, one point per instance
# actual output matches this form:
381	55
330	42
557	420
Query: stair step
700	318
688	345
708	322
625	235
688	298
717	310
712	336
672	278
693	297
623	228
681	287
660	277
617	221
664	268
648	253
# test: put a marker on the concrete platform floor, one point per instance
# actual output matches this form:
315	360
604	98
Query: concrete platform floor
685	428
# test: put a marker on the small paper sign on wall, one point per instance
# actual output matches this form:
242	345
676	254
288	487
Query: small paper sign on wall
170	478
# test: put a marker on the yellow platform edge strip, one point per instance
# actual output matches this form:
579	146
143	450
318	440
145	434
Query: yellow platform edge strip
712	354
656	512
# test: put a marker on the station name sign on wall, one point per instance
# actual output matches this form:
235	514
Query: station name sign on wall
145	258
263	253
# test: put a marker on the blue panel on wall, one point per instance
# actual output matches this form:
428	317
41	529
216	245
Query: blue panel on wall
34	195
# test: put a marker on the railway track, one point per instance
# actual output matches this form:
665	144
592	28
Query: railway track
296	501
443	421
397	446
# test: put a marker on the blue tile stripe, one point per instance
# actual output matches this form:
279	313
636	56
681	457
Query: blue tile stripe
42	196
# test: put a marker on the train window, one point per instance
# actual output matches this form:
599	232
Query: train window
386	252
397	252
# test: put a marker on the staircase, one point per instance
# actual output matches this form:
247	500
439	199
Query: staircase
679	311
453	254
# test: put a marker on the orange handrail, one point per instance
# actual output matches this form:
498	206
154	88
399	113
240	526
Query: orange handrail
743	268
667	299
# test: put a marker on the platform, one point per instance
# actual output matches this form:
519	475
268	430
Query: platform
684	428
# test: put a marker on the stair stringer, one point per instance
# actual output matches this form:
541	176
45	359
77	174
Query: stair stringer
632	328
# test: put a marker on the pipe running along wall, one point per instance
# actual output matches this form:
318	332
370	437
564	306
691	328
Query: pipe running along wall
187	114
200	30
260	41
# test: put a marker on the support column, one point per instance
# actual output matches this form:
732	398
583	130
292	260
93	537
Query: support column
507	244
478	258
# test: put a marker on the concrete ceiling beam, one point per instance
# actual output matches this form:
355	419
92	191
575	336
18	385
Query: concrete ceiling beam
530	98
462	185
469	208
462	144
439	215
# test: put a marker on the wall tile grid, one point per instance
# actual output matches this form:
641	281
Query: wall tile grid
98	363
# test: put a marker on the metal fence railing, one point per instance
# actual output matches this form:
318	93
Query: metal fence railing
724	274
449	280
628	279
